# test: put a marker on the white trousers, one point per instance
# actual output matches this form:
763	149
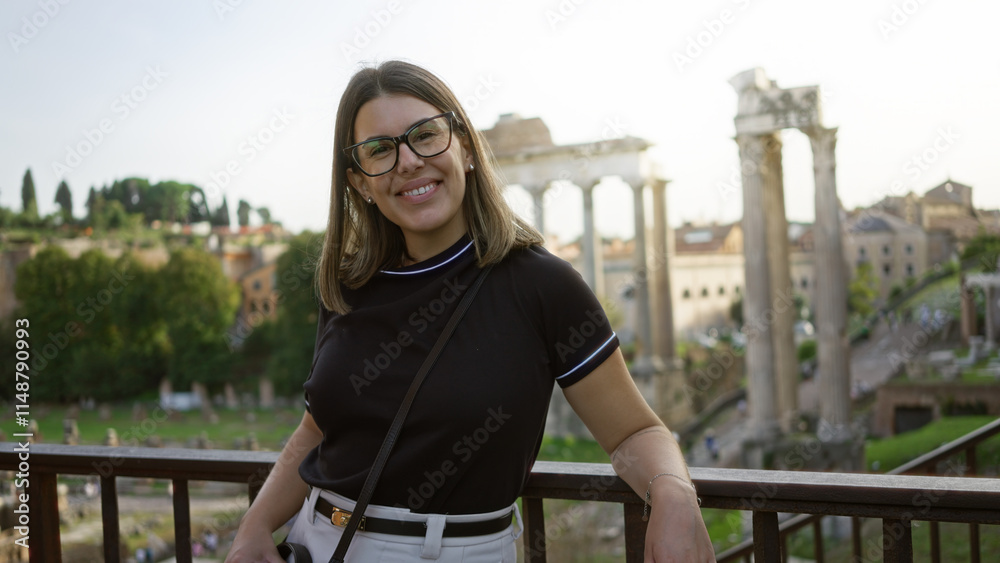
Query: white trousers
320	536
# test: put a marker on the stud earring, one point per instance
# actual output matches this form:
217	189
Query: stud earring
472	167
371	199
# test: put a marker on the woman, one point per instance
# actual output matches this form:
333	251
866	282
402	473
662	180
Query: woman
416	211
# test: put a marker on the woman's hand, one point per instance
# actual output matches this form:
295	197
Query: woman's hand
676	532
253	545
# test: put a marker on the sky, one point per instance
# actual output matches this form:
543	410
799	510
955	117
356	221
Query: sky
239	96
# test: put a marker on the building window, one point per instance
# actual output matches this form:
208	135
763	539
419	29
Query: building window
805	282
704	292
256	285
686	294
887	268
909	270
862	252
722	290
736	289
909	249
886	250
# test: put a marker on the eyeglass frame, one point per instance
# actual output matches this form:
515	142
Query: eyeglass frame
404	139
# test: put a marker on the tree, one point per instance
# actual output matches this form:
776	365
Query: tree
65	201
29	206
221	216
198	210
985	249
243	213
199	305
294	331
862	291
265	215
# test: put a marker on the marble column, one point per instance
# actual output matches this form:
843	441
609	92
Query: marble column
833	348
757	293
646	363
593	252
990	298
664	326
538	197
967	310
781	303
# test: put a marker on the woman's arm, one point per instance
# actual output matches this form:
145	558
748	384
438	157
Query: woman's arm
641	448
280	497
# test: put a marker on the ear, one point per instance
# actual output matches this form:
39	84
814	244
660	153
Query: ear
466	150
356	182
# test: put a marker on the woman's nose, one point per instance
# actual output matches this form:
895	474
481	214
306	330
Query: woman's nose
408	160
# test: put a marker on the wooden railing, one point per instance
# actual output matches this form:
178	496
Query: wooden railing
896	499
926	464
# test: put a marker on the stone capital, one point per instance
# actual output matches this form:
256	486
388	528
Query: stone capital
822	139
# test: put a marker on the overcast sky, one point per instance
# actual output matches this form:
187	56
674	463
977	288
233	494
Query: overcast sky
179	88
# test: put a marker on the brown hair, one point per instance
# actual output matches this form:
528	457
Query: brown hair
360	240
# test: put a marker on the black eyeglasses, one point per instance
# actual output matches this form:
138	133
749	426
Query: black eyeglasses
427	138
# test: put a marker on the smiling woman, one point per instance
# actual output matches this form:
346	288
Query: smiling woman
417	219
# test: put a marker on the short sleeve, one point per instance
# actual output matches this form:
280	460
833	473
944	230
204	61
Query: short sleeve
577	332
321	319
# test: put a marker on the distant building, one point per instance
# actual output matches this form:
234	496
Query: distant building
707	273
895	248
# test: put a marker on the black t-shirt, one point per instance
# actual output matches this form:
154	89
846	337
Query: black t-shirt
475	427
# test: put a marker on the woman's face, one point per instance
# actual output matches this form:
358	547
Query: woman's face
423	196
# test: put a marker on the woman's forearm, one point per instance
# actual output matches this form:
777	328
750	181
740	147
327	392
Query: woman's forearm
282	494
650	452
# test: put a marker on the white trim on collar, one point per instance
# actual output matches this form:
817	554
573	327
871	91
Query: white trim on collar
457	254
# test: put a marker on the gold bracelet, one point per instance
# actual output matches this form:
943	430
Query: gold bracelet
645	506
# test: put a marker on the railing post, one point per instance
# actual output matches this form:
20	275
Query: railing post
109	518
856	537
182	521
635	534
534	530
970	460
45	546
766	544
897	541
935	543
818	540
974	543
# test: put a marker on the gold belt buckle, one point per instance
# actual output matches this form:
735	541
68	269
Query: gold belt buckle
341	517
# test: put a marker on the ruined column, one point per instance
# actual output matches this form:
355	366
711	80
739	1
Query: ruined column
593	263
538	197
781	304
833	348
967	310
757	293
646	362
661	274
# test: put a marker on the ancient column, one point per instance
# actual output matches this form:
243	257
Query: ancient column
661	274
833	348
757	293
781	315
593	263
990	298
538	196
967	310
646	362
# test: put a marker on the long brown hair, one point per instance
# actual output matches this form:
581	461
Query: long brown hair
360	240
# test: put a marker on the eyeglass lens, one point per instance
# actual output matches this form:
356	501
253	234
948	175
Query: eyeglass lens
427	139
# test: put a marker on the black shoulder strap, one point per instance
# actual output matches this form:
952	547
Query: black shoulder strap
397	423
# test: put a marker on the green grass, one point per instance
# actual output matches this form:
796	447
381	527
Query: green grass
897	450
269	426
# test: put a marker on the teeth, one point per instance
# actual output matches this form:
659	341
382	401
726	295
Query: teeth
419	191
